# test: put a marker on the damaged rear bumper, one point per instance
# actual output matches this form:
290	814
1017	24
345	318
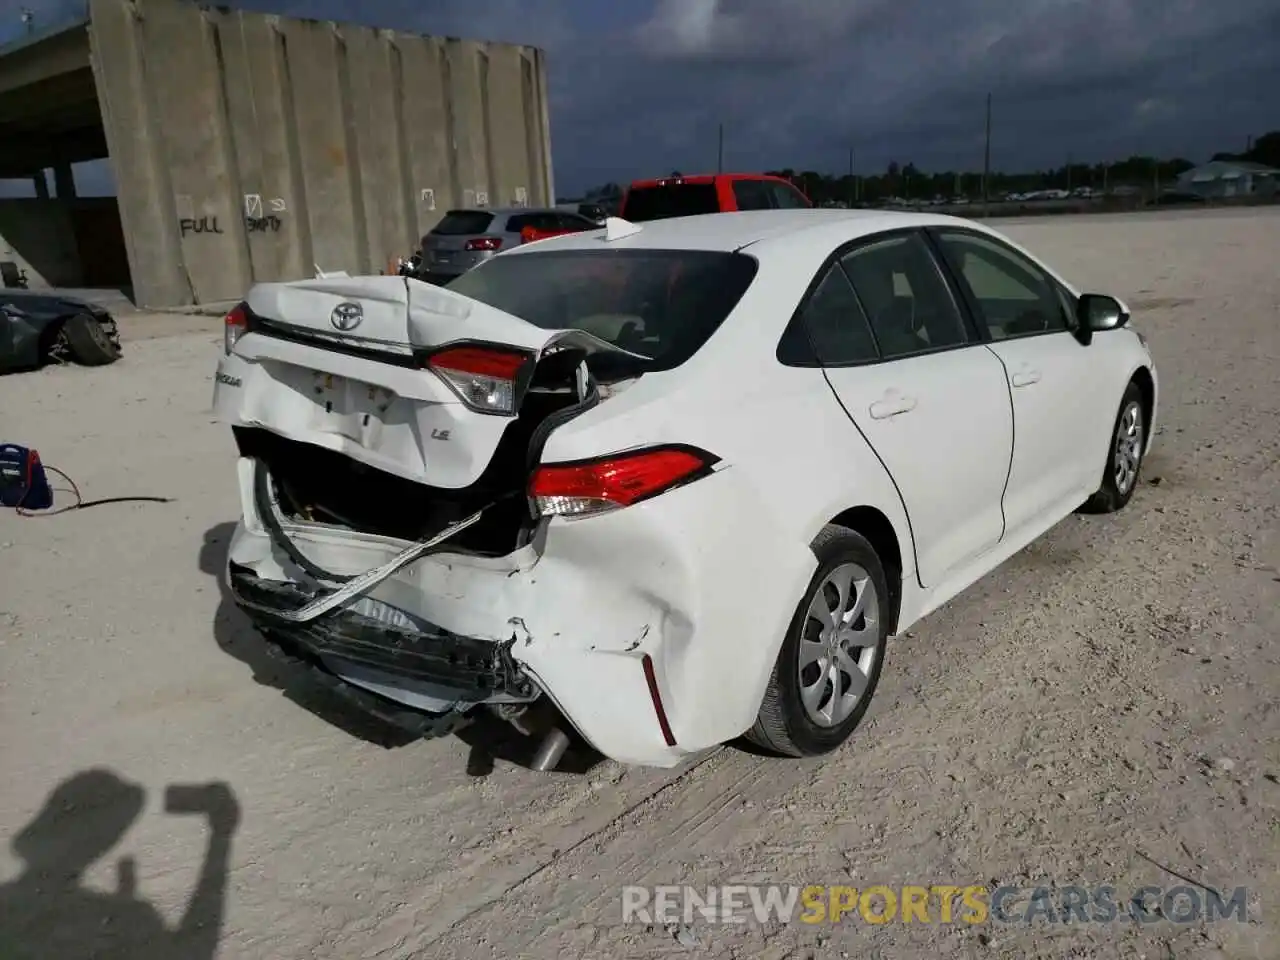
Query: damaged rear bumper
619	620
471	670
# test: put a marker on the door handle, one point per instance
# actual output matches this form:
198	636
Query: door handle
1024	378
891	407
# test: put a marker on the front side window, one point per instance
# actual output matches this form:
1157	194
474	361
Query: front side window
906	300
661	304
1013	296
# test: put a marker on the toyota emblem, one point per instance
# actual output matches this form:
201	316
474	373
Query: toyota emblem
346	316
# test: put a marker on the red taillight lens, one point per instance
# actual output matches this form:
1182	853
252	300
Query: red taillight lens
484	378
581	489
235	326
484	243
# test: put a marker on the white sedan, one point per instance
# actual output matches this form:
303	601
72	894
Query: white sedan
668	484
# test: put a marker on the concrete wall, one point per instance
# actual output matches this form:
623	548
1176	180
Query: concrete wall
249	147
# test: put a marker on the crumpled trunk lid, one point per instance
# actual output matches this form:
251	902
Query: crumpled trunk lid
339	363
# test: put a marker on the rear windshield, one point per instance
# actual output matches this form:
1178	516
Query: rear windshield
463	222
661	304
670	200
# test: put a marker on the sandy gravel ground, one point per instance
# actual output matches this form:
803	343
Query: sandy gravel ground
1102	709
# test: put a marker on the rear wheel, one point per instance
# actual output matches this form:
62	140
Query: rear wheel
833	653
89	341
1128	444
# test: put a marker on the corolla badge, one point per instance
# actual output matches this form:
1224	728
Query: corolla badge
346	316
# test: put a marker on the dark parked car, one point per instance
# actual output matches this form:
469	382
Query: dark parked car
38	328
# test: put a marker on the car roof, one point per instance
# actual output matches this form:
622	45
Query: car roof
729	232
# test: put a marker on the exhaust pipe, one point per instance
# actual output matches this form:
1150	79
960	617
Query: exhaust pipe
550	751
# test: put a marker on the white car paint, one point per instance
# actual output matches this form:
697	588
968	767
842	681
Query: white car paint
702	581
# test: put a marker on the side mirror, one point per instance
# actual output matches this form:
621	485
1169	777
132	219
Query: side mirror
1097	312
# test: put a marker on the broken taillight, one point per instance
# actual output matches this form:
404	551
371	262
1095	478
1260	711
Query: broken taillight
235	326
484	243
484	378
588	487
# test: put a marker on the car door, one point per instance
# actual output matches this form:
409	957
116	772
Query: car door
922	390
1053	378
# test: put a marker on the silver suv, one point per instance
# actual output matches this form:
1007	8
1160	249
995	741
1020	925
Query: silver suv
466	238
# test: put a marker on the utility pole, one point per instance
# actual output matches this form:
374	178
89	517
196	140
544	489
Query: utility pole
720	152
853	182
986	161
29	20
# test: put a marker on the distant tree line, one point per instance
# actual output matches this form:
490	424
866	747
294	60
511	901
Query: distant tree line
906	180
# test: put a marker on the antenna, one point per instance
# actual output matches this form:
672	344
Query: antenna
615	228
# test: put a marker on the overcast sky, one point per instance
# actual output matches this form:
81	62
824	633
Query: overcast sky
638	87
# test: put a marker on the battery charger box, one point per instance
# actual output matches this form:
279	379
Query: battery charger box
23	482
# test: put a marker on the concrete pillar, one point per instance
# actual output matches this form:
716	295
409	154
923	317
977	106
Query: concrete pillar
248	148
544	127
260	97
148	212
41	183
390	221
508	145
64	182
468	114
317	68
184	48
430	137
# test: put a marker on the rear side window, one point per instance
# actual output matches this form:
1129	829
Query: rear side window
904	296
661	304
670	200
458	223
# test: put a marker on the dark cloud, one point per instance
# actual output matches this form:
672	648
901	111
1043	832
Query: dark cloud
640	87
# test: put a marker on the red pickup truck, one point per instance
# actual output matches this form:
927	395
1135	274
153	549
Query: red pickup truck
708	193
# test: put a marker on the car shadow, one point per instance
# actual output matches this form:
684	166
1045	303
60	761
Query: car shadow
48	913
490	739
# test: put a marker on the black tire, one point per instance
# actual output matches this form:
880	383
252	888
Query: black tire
783	726
91	344
1111	494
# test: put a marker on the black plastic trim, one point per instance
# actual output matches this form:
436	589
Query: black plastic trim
279	330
